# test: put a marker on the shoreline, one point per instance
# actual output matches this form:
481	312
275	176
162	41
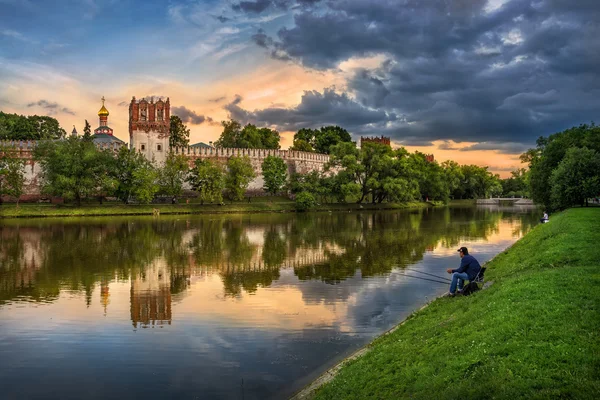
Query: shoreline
426	354
26	211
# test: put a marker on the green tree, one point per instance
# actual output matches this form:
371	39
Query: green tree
274	171
136	176
145	185
320	140
453	175
34	127
548	154
72	168
239	175
207	178
87	131
12	174
305	201
248	137
179	134
173	174
576	178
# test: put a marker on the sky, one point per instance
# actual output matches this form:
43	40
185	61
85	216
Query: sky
476	81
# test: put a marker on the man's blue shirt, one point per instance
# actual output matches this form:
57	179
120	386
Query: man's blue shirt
469	265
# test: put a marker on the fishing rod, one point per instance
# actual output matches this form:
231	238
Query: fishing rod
426	273
425	279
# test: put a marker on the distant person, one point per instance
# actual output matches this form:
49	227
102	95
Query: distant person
468	270
544	218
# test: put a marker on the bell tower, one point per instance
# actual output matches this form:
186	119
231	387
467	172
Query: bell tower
149	125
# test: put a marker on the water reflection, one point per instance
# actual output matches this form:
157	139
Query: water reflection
270	299
159	256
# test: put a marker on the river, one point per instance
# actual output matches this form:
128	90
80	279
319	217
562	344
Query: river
221	306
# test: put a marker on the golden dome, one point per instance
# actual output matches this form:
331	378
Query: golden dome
103	111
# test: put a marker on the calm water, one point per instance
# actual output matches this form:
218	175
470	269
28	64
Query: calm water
217	307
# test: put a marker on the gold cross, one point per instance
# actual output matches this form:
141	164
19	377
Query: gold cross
102	100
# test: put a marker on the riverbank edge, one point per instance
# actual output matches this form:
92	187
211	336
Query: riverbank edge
309	391
34	211
443	303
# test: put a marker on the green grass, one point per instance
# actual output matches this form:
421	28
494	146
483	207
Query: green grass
533	334
256	205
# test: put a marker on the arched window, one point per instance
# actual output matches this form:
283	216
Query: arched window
159	147
143	147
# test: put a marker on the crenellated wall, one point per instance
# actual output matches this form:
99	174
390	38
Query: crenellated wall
297	161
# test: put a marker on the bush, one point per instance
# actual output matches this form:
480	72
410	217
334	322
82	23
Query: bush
305	201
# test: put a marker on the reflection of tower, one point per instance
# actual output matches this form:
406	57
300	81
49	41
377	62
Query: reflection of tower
104	295
151	297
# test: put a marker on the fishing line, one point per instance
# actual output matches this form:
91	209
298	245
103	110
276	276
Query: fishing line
426	273
425	279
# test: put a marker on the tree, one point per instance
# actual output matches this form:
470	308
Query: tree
576	178
548	154
453	175
136	176
34	127
144	182
87	131
274	171
12	174
172	175
249	137
207	178
320	140
73	168
179	134
240	174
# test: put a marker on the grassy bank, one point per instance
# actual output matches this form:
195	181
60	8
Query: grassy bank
257	205
534	334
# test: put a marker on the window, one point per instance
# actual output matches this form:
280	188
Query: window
158	147
143	147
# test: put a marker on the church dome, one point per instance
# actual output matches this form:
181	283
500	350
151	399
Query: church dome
103	111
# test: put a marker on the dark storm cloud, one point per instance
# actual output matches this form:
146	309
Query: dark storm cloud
52	108
501	147
259	6
455	71
189	116
316	109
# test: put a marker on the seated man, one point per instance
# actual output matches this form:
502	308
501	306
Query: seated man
544	218
468	270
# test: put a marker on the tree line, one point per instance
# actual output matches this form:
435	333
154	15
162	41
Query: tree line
564	168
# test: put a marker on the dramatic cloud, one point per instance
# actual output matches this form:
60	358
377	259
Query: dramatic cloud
457	70
189	116
52	108
506	148
316	109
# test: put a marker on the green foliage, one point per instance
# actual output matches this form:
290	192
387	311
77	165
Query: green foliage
172	174
12	174
320	140
135	176
73	168
179	134
517	185
305	201
548	154
274	171
239	175
478	183
576	178
207	178
532	334
34	127
249	137
144	181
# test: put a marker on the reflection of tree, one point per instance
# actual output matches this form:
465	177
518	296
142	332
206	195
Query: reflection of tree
39	259
274	249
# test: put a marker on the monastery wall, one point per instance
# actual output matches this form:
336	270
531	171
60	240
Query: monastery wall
297	161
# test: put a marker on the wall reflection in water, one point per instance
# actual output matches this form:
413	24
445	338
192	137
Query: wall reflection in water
160	258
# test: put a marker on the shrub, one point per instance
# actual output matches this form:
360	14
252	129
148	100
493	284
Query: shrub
305	201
